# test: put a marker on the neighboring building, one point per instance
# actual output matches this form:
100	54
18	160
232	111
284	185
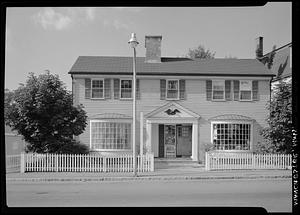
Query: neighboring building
14	143
282	61
182	104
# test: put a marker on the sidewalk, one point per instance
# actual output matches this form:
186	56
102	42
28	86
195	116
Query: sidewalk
158	174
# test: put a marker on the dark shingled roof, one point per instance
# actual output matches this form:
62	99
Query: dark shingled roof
169	66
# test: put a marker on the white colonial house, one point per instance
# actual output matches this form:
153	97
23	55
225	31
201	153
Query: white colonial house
183	104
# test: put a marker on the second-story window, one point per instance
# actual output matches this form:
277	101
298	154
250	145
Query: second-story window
97	89
218	89
245	90
126	89
172	89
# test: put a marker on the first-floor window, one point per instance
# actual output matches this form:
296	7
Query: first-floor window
110	135
231	136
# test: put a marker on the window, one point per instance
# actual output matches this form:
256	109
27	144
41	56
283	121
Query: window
110	135
231	136
97	89
172	89
218	90
245	90
126	89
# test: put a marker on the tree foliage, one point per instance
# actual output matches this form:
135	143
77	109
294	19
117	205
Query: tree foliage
200	53
42	112
268	59
279	132
8	101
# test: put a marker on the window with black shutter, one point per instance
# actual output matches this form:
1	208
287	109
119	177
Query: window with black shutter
87	88
162	89
255	95
208	90
116	88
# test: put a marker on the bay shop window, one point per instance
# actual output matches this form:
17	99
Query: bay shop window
110	135
231	136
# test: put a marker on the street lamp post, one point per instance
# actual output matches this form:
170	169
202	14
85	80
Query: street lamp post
133	43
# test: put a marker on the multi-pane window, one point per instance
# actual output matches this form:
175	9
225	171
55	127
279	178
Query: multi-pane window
231	136
110	135
172	89
97	89
126	89
218	89
245	90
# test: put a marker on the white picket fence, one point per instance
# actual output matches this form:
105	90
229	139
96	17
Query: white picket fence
13	163
223	161
85	163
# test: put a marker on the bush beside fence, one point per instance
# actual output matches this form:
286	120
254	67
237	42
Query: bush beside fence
223	161
85	163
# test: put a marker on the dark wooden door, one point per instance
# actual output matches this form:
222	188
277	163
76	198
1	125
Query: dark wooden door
184	140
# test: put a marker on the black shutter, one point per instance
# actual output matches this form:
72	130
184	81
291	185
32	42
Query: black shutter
208	90
236	90
116	88
182	94
87	88
107	90
161	147
162	89
138	93
255	96
227	90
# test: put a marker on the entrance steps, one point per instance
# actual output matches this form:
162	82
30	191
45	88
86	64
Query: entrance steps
171	163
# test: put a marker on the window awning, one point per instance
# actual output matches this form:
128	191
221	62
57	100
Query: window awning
110	116
229	117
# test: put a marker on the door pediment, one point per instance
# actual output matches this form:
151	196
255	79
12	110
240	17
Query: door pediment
172	110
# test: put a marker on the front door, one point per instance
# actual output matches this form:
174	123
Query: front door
184	140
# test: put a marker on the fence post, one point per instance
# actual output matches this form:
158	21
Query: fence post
22	162
152	162
104	164
56	162
206	161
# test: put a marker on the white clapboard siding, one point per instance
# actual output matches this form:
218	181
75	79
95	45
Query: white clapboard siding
85	163
13	163
223	161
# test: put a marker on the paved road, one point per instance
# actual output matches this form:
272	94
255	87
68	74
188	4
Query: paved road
274	195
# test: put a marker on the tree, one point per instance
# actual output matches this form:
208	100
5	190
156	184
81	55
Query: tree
8	101
200	53
43	113
279	132
268	59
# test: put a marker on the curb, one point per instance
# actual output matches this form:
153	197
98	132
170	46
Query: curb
142	178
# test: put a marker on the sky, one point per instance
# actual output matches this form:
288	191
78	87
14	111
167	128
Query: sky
52	38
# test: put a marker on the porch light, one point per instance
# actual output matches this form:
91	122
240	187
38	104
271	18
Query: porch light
133	43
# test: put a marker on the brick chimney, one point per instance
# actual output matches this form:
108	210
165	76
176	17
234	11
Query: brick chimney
259	47
153	49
